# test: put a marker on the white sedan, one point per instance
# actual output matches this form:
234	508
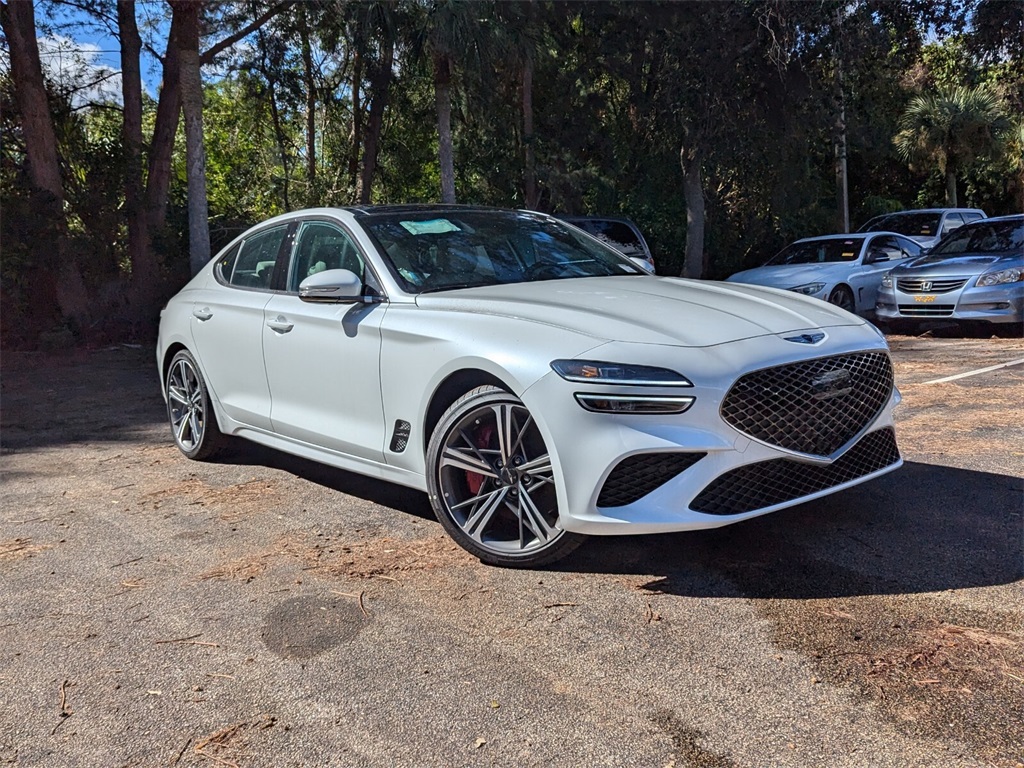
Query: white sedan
535	383
845	270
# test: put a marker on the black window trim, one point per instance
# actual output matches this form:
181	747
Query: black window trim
289	226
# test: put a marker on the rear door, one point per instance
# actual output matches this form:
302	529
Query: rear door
227	326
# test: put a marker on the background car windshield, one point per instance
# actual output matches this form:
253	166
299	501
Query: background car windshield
913	224
990	237
436	251
818	252
615	233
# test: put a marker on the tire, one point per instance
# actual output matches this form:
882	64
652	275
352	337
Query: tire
193	423
842	297
491	483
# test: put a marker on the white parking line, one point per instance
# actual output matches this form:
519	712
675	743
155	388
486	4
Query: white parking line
975	373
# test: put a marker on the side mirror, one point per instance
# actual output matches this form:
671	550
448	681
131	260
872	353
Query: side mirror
874	257
332	286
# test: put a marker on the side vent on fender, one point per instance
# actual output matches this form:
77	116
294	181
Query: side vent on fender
400	437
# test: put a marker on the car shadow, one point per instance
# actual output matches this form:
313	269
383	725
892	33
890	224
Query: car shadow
925	528
398	497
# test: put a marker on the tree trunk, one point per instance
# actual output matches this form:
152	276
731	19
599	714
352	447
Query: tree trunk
312	197
443	102
282	146
168	113
531	196
951	187
356	134
693	193
56	281
380	83
145	269
195	151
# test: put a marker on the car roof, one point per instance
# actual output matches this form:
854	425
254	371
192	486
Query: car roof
929	210
848	236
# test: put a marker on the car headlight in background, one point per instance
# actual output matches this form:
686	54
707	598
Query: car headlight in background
596	372
1012	275
887	280
809	289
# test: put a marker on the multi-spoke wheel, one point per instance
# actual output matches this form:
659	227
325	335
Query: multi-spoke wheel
492	484
843	299
188	409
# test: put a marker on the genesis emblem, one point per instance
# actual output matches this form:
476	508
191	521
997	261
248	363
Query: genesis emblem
806	338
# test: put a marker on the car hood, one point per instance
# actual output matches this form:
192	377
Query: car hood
792	275
647	309
955	266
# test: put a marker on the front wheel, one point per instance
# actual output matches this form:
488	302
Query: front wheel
843	298
188	409
492	484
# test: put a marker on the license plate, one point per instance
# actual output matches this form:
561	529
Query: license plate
924	299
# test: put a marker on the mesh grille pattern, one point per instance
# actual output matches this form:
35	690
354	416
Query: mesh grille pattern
767	483
941	285
927	310
814	406
635	477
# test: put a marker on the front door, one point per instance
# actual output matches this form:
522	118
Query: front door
323	360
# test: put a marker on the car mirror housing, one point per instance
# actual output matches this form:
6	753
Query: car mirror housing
332	286
876	256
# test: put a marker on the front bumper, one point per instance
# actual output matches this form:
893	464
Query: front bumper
695	470
992	304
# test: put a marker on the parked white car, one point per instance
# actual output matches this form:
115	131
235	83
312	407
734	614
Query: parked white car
534	382
925	225
845	270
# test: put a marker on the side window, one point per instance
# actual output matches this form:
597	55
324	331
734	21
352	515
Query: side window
254	267
886	245
226	263
953	221
910	248
323	246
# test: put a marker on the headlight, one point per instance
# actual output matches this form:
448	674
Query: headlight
595	372
1012	275
887	280
808	289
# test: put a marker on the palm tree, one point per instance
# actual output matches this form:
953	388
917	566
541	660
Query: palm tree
950	129
453	30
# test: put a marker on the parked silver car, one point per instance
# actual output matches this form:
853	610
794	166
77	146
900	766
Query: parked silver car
976	273
927	225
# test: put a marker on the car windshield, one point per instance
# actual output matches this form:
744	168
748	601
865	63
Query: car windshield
988	237
818	251
915	224
441	250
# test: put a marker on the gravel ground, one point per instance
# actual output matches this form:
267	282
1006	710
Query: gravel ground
267	611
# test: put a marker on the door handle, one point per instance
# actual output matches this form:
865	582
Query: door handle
202	314
280	324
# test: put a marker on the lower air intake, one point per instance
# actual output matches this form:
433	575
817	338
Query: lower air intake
636	476
767	483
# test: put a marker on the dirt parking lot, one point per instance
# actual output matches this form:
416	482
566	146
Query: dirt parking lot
267	611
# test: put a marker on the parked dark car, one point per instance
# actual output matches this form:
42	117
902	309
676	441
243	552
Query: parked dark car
621	234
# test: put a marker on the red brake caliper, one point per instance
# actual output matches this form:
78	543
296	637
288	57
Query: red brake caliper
483	437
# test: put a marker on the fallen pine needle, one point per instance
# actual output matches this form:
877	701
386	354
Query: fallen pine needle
179	639
358	597
560	605
64	711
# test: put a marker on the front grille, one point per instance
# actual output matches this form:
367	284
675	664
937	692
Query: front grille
636	476
815	406
923	285
767	483
927	310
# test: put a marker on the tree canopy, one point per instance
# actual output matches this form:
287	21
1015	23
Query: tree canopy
723	129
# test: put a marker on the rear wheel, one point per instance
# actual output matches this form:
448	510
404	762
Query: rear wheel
188	409
492	484
842	297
